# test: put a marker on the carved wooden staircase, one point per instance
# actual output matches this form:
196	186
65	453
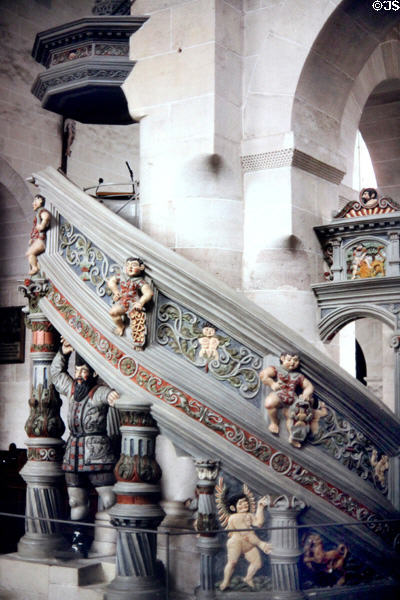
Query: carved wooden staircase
217	412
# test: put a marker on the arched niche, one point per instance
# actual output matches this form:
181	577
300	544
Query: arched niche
335	320
326	111
372	107
380	128
370	330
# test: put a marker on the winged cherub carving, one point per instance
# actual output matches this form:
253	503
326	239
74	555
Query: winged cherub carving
237	513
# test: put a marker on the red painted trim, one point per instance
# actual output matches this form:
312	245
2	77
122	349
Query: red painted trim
267	454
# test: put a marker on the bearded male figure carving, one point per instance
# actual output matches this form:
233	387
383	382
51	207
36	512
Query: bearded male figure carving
89	458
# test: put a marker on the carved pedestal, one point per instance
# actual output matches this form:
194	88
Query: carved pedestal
44	427
206	524
137	490
285	548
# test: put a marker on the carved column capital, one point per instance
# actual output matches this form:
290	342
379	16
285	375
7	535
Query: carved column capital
206	524
33	290
137	491
207	469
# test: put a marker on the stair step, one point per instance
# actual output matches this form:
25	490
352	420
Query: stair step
52	579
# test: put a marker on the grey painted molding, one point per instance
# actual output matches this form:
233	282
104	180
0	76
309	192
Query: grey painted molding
204	294
291	157
185	282
341	302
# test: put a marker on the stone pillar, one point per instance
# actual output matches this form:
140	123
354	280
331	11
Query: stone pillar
206	524
393	258
44	427
337	267
137	490
285	548
394	469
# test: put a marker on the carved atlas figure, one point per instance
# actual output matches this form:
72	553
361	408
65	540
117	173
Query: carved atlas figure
131	292
236	513
37	241
89	458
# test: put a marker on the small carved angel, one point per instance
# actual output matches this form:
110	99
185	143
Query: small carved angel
236	513
380	466
209	343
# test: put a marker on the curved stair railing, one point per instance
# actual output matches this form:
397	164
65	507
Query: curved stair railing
211	408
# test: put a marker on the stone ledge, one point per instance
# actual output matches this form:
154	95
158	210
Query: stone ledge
291	157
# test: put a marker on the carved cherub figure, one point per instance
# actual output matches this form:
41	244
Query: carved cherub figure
131	293
37	242
359	259
380	466
209	343
240	512
285	382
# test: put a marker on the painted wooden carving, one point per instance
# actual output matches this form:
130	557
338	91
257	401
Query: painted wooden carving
237	513
292	393
368	204
366	259
327	566
37	242
89	456
130	294
380	467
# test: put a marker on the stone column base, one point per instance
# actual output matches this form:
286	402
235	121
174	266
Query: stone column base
135	588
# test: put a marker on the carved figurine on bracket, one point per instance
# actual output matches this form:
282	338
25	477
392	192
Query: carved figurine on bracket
299	411
37	242
240	512
130	294
89	457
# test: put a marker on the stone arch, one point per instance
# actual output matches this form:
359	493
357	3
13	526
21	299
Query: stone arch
382	67
332	323
340	52
17	187
16	216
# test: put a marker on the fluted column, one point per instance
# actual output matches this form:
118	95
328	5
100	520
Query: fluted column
206	524
286	551
138	491
44	427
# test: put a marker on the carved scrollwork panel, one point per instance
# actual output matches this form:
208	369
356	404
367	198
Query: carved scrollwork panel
89	262
208	348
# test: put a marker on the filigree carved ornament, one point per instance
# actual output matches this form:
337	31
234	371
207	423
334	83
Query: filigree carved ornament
203	346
